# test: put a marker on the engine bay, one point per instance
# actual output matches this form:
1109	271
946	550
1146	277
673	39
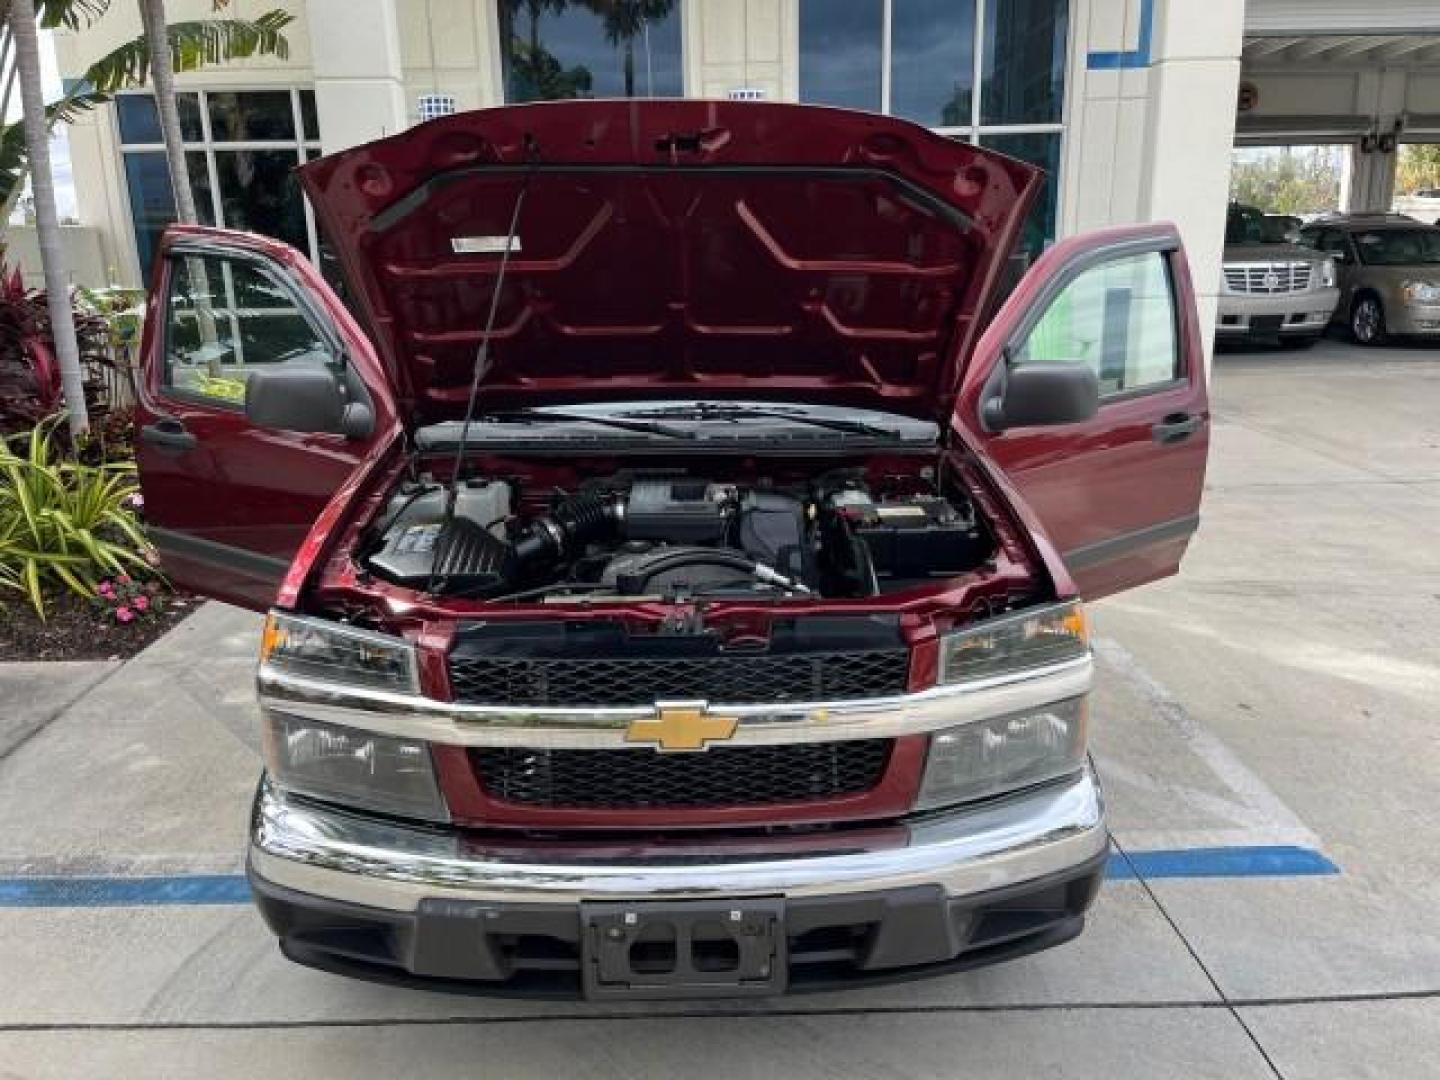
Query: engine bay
671	535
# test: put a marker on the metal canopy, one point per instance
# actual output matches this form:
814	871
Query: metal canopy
1349	50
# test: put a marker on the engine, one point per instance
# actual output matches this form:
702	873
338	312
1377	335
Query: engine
672	538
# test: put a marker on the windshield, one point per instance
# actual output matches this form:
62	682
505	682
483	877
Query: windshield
1278	229
1399	247
1243	225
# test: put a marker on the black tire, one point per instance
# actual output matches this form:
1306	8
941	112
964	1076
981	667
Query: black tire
1367	321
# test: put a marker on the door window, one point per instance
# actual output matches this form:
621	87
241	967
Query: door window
225	317
1331	242
1118	318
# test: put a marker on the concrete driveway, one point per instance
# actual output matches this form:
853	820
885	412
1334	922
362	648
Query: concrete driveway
1266	725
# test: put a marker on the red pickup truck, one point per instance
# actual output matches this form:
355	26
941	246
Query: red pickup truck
673	542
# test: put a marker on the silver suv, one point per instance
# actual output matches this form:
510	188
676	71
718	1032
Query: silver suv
1272	288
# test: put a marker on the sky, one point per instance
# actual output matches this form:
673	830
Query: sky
59	145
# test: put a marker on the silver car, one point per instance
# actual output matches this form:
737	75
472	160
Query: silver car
1272	289
1389	274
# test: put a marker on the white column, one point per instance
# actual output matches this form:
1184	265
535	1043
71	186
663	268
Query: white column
359	79
1190	132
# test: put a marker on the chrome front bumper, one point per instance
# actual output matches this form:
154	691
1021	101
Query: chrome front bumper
378	863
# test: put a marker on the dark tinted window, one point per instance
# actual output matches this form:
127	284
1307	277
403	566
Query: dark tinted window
152	200
1024	62
840	52
932	61
250	116
139	121
259	192
1042	149
553	49
308	115
1399	247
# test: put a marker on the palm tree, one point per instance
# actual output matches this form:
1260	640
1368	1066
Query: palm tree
193	45
47	221
162	75
624	21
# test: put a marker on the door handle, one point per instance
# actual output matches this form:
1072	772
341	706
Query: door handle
169	433
1175	428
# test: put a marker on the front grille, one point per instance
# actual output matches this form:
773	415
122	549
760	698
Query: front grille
645	779
1268	279
733	680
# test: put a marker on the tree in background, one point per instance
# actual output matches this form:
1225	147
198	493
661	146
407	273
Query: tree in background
36	129
626	20
1417	168
1288	179
532	72
193	45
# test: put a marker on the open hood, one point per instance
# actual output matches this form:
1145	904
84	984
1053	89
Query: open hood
673	249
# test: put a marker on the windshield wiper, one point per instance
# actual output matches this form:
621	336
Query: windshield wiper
643	427
706	411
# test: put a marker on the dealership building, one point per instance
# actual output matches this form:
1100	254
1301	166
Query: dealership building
1131	106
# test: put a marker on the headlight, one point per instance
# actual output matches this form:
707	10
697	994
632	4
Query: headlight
1327	274
334	652
352	767
991	757
1420	292
1029	639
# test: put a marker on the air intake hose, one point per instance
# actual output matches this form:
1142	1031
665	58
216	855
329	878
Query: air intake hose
579	520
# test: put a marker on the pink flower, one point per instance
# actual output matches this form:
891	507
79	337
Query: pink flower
105	589
140	603
124	579
123	614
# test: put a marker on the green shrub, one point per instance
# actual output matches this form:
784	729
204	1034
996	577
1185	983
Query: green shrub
64	524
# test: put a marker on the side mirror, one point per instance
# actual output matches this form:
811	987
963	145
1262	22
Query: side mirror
304	399
1040	395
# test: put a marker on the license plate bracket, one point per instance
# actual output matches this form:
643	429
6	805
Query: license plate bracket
1266	324
688	949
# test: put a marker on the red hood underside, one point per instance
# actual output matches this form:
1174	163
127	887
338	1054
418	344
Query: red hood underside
673	249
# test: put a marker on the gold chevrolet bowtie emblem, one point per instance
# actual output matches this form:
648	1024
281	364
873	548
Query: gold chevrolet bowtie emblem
681	728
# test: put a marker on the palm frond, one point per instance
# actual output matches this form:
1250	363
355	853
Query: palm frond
194	45
71	14
15	157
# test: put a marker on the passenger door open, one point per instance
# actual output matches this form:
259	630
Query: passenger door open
228	498
1118	491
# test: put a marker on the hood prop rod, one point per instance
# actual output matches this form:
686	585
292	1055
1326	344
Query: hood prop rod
482	366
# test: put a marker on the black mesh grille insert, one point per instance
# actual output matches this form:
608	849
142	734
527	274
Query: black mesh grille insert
723	776
736	680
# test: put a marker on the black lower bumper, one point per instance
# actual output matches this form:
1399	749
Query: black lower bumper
746	948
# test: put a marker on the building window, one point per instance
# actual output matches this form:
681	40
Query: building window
924	60
583	49
241	150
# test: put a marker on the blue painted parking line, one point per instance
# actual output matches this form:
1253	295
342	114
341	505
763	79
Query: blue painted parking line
1220	862
187	889
194	890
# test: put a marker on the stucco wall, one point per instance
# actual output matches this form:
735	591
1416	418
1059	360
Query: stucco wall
84	255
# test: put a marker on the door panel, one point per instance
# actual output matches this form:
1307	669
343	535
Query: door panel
228	504
1118	494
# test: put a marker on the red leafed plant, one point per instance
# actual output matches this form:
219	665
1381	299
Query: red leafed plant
29	376
30	387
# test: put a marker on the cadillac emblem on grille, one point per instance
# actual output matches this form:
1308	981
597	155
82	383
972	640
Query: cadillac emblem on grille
682	726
